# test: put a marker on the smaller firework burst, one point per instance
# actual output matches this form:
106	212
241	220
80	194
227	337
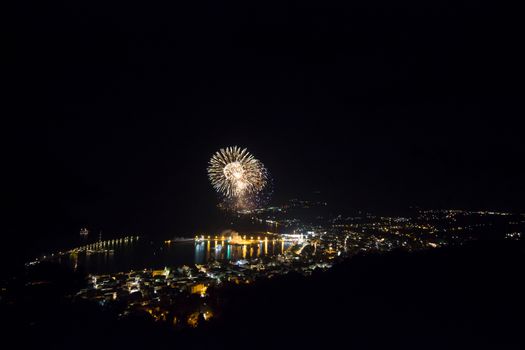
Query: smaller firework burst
238	176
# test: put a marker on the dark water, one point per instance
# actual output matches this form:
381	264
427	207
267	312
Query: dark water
143	253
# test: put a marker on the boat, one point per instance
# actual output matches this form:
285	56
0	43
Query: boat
179	239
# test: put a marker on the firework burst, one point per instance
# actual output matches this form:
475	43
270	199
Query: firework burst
238	176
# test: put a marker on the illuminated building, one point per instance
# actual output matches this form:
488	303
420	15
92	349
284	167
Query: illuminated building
199	288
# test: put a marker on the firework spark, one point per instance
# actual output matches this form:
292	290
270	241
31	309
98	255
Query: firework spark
237	175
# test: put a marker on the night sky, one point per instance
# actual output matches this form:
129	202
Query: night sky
118	107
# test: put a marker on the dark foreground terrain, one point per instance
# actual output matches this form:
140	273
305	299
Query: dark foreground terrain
468	297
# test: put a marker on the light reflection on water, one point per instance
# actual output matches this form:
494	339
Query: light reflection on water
136	255
219	250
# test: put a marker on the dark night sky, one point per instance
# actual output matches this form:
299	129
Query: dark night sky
119	105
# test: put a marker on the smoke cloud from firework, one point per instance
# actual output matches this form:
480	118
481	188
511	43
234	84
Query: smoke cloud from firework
239	177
